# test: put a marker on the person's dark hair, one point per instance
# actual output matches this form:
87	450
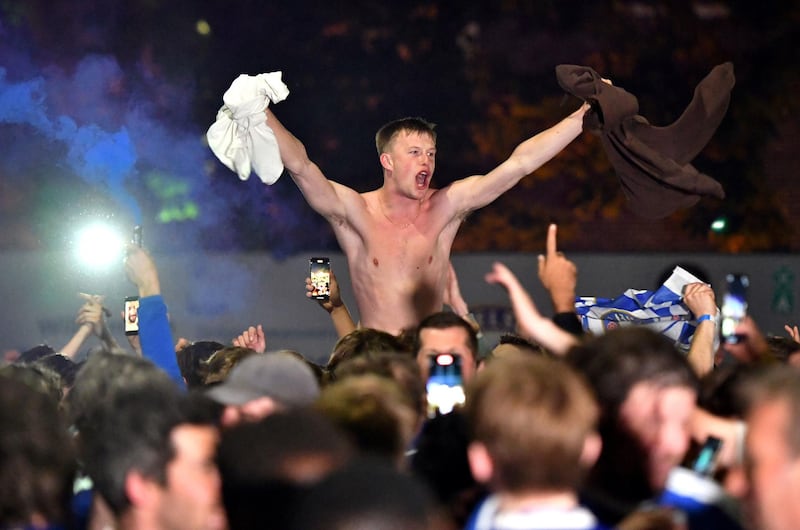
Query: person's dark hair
37	464
191	357
362	342
722	389
33	354
63	365
445	320
386	134
133	432
102	376
265	464
617	360
37	376
782	347
441	462
366	494
516	340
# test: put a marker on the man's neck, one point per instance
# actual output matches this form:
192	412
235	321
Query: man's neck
536	500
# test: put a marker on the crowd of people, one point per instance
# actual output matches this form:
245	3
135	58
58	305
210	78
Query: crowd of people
560	429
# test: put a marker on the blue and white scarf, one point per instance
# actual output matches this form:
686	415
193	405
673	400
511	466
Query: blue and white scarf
662	310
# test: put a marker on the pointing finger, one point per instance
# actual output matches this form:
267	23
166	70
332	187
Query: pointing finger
551	240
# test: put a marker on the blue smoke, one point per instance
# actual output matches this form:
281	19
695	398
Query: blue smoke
97	155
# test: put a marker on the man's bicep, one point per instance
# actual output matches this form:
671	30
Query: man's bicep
323	195
477	191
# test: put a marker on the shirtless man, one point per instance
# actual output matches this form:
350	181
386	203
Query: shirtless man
397	238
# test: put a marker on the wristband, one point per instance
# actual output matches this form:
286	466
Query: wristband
703	318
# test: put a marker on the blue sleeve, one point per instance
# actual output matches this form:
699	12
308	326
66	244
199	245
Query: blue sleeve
155	337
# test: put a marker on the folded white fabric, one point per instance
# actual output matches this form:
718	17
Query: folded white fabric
240	137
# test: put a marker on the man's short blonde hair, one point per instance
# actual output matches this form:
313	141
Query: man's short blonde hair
533	415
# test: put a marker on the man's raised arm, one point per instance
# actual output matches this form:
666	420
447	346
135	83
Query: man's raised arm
477	191
323	195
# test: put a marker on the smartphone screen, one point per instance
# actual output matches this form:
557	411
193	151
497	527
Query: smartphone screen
445	386
320	274
137	236
734	306
707	457
131	315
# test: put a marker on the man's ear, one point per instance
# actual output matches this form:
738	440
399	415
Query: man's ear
386	161
480	463
592	446
140	490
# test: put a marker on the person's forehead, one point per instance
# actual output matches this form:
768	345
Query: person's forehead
193	439
650	398
420	139
438	338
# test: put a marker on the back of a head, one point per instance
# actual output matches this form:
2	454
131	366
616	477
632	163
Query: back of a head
34	354
614	362
216	368
402	369
374	412
63	365
101	377
37	464
366	496
37	376
264	465
362	342
191	359
534	416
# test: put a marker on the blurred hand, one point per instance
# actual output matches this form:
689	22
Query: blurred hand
752	346
699	298
141	270
793	332
253	338
91	313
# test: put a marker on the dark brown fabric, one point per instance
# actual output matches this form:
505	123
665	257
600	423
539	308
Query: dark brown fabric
653	163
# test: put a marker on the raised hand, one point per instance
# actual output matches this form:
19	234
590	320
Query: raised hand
558	274
253	338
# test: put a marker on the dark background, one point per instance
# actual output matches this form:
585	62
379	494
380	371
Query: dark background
104	105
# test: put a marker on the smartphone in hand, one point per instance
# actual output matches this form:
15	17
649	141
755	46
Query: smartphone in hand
445	385
131	315
734	307
319	270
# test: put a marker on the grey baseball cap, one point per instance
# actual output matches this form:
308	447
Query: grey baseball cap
280	376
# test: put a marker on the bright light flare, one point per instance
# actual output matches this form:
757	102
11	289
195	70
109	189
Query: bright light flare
99	245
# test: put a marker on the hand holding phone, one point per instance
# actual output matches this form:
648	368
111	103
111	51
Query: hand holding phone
706	461
445	385
319	270
734	307
137	236
131	315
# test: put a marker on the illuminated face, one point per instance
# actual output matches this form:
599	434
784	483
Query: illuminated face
454	341
658	417
191	499
412	160
773	471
